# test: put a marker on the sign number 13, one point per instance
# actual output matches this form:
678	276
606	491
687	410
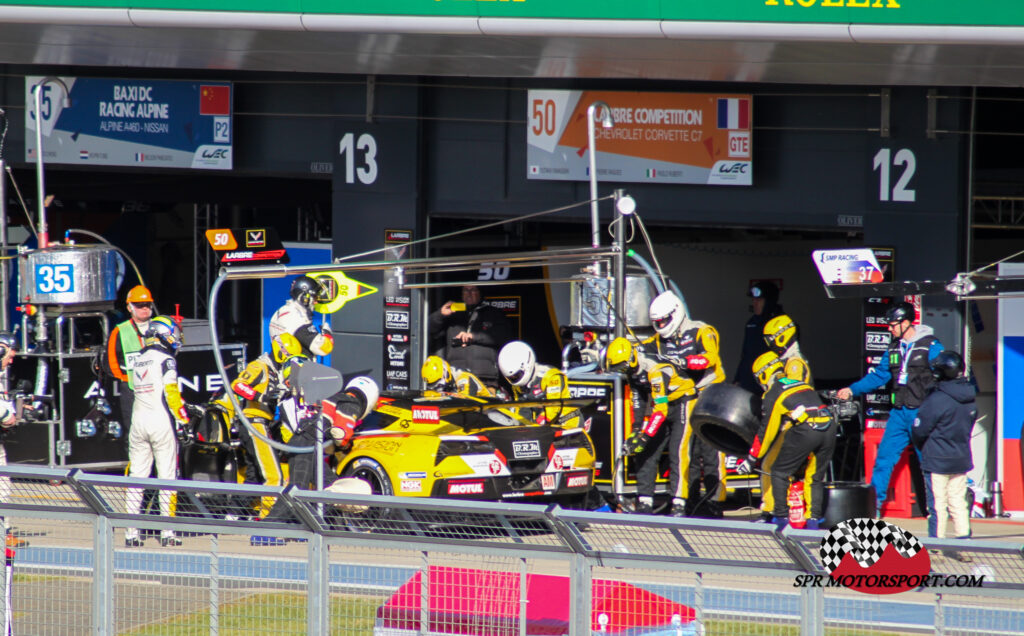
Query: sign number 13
366	171
886	161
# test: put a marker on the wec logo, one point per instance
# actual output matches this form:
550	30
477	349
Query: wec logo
738	167
219	153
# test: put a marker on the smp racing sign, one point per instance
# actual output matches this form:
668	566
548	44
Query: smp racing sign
131	122
655	138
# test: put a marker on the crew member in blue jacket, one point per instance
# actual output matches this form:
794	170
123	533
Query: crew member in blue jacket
906	365
942	434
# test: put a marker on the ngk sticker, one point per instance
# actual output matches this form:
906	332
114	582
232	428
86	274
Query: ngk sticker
577	481
547	481
426	415
411	485
466	488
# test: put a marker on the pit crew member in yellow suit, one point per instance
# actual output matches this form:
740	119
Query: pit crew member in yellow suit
532	381
670	391
780	334
800	429
261	386
440	376
692	346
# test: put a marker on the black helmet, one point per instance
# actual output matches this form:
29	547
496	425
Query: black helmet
899	312
765	289
948	365
306	291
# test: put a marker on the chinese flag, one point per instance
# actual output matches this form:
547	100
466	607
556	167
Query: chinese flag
214	100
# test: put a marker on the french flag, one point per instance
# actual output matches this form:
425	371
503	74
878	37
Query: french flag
733	113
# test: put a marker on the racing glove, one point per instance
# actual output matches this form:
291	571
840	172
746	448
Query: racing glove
244	390
747	465
635	443
697	363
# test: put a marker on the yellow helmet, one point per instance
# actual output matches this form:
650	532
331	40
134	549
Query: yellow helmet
621	357
779	333
285	346
766	366
436	372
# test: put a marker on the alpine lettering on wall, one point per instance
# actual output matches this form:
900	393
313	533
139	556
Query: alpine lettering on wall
655	138
131	122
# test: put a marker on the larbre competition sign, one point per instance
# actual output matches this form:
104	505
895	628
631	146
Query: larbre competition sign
131	122
656	138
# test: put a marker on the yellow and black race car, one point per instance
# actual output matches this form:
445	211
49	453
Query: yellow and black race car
448	445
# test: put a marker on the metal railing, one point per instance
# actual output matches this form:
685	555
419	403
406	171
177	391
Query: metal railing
394	566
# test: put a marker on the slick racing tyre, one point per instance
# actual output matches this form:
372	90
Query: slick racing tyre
725	417
375	519
370	471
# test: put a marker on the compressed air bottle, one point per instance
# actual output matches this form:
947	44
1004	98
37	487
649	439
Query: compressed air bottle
796	505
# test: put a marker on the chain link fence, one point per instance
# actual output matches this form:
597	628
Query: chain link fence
389	566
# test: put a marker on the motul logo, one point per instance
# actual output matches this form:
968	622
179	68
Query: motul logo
575	481
426	414
466	488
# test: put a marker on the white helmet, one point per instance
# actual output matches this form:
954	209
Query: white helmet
667	313
368	389
517	362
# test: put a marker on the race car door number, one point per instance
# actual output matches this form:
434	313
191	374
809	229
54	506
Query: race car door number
529	449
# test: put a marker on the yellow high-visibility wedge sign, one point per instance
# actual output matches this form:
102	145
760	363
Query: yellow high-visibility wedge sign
341	289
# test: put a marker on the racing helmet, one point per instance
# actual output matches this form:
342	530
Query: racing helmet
365	388
140	294
766	366
164	332
285	346
779	333
8	342
436	372
621	357
289	366
667	313
517	362
307	291
948	365
899	312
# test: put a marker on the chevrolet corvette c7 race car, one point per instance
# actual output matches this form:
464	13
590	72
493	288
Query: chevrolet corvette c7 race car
447	445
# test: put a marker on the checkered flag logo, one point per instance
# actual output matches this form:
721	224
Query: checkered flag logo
867	540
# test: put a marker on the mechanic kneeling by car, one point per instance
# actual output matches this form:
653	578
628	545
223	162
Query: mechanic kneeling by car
342	412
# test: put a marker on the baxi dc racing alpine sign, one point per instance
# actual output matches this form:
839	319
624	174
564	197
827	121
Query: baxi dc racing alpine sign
130	122
655	137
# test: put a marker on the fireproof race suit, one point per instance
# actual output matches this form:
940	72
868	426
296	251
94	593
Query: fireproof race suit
295	319
550	383
156	415
694	350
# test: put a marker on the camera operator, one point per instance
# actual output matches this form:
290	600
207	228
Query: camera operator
8	420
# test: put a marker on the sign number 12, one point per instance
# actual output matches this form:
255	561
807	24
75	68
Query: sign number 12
900	192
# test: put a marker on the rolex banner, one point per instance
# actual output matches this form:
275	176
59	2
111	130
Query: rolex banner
655	137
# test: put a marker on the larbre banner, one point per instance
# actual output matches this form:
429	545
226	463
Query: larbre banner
656	137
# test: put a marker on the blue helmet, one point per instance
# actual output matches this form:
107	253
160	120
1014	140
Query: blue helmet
164	332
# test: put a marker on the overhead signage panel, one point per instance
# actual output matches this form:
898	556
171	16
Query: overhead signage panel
131	122
656	137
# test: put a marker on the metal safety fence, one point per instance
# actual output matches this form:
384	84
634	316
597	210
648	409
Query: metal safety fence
392	566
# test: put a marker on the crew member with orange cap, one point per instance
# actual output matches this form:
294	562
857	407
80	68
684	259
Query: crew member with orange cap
125	343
